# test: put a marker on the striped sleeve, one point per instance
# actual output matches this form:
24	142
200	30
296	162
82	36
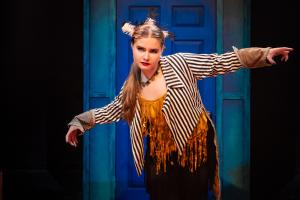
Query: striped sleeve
111	112
208	65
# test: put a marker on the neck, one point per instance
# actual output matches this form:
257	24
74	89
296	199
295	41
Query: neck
145	80
149	73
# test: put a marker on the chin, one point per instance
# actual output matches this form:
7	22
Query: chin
145	68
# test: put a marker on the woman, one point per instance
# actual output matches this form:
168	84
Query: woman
161	101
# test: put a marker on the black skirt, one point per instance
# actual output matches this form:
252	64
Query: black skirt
178	183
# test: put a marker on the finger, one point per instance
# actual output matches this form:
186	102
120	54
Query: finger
73	144
288	49
272	61
71	140
286	55
286	58
75	139
67	138
286	52
285	49
68	135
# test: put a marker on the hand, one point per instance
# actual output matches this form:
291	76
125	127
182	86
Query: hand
71	136
280	51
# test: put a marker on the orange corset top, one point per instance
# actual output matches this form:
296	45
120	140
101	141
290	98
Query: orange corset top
162	144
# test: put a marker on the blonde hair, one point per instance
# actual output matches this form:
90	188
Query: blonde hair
132	87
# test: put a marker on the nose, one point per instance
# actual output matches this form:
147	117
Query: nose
146	56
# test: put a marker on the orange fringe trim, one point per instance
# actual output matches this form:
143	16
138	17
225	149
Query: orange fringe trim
162	144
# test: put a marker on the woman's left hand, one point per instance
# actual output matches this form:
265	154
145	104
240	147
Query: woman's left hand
279	51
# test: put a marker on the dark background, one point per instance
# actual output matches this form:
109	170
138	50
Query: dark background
41	74
275	134
42	65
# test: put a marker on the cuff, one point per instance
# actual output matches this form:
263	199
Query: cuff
84	121
253	57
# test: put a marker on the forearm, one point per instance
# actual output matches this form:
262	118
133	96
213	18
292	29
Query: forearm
253	57
84	121
208	65
107	114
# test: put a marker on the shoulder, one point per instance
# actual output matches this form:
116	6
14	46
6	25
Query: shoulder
174	55
176	58
174	61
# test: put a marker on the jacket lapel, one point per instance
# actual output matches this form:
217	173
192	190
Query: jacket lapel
172	79
173	82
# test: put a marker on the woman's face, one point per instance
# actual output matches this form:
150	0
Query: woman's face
147	53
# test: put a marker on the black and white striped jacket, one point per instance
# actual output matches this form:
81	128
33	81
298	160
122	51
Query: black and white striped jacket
182	106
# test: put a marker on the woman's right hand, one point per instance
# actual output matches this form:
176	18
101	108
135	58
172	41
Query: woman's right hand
71	136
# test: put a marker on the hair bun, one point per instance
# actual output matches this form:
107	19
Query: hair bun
128	28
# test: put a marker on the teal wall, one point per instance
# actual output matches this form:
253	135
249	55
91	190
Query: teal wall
99	86
233	102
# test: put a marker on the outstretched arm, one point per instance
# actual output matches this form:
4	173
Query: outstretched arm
254	57
86	120
207	65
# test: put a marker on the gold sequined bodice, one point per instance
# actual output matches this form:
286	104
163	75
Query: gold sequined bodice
162	144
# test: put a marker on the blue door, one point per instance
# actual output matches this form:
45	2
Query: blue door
193	23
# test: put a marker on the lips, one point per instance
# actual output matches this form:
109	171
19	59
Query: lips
145	64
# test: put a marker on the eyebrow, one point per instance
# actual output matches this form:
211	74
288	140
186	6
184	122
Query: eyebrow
140	47
145	48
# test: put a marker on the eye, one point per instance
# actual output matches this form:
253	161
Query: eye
154	51
140	49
